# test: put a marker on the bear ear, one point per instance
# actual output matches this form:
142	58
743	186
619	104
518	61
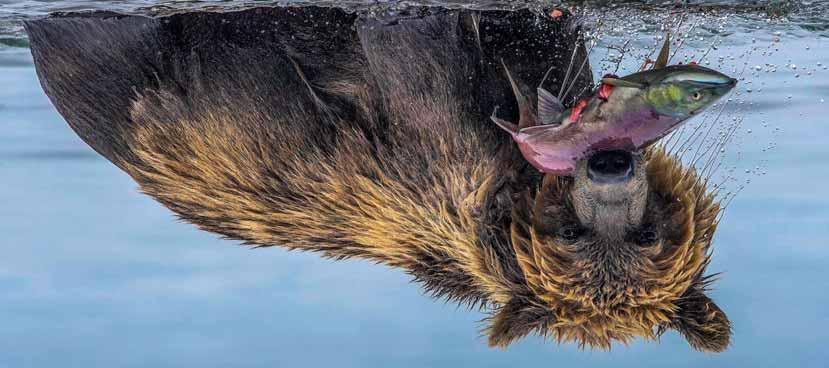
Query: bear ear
702	322
513	321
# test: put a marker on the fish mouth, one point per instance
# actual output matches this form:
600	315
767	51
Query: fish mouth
695	74
723	88
722	85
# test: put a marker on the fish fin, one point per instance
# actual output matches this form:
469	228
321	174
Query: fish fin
541	136
549	107
522	100
616	82
505	125
526	116
540	128
664	54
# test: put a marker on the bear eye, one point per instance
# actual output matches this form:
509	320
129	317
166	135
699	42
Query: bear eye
570	232
647	234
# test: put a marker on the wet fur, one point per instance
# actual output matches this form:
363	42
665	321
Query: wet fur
370	138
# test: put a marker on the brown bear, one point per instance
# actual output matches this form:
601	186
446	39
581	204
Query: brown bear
369	136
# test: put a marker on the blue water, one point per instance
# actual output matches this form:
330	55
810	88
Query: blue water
92	273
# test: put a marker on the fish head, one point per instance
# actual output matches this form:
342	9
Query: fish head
681	91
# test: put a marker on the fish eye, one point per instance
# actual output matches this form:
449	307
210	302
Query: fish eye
696	96
570	232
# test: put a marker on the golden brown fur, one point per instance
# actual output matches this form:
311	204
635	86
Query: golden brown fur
354	206
674	266
381	149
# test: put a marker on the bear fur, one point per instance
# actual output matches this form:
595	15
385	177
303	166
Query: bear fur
361	136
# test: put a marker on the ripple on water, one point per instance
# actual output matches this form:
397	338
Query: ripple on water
809	15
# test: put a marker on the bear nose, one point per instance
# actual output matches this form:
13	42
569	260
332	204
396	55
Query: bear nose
610	167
